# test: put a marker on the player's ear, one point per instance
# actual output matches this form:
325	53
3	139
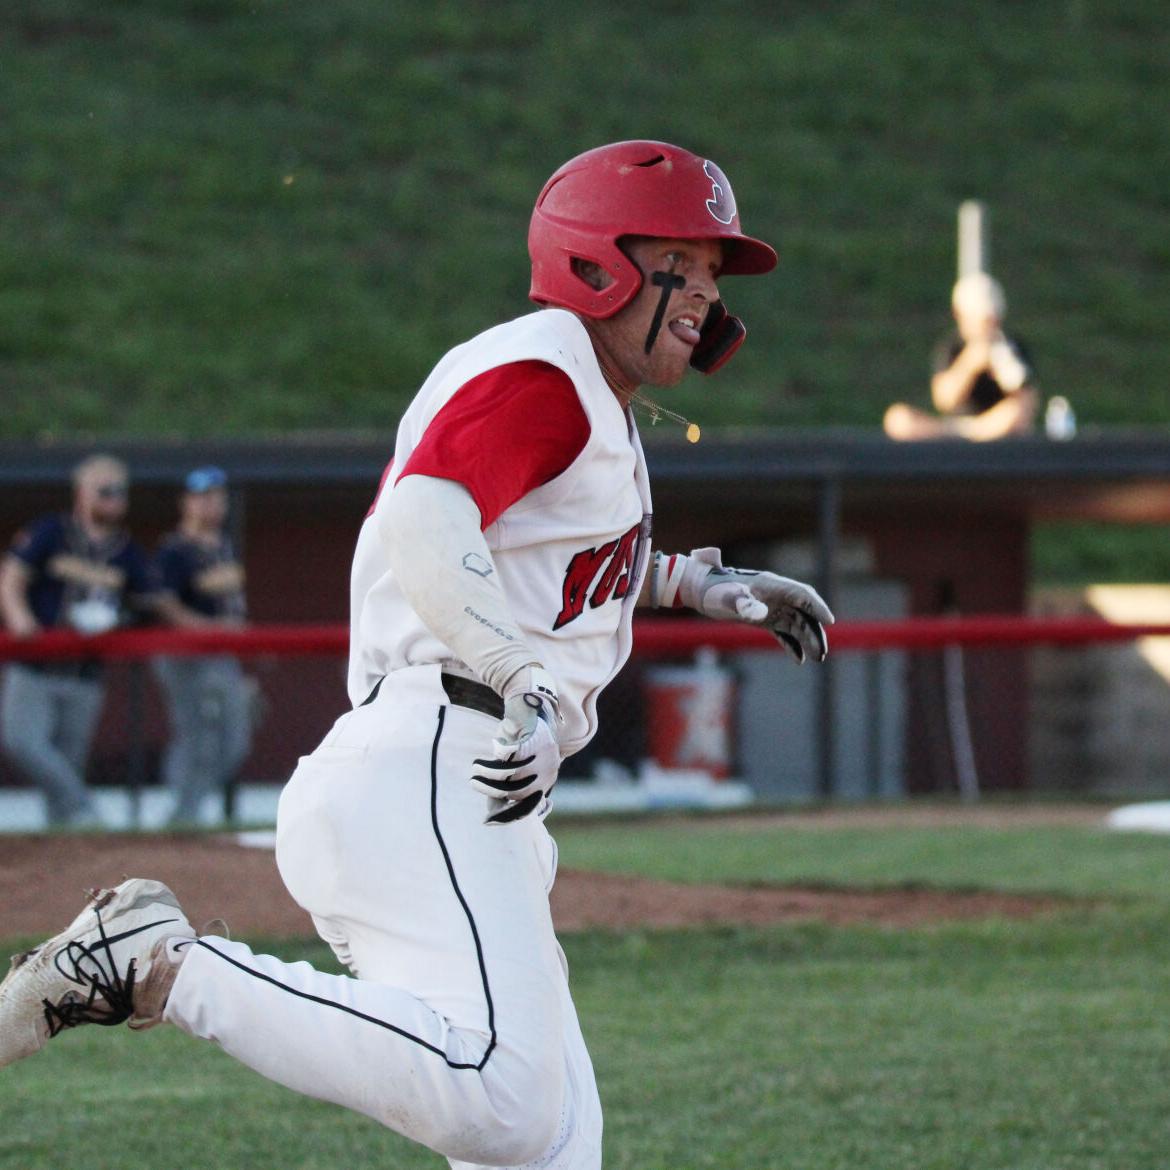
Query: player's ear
592	274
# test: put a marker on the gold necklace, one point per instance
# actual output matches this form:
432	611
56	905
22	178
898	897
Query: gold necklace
656	411
653	409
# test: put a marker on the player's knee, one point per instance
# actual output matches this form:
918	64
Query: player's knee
516	1141
528	1138
527	1106
490	1136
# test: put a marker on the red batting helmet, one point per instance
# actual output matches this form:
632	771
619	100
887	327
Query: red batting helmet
635	188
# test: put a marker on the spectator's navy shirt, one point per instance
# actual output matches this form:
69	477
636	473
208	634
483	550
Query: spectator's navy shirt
204	577
68	566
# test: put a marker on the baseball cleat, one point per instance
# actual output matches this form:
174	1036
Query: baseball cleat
109	966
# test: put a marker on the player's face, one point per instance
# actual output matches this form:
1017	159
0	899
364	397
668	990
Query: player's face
687	271
978	325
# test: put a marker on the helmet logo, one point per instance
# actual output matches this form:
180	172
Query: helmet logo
721	205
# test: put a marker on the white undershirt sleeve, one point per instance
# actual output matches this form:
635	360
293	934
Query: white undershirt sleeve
430	530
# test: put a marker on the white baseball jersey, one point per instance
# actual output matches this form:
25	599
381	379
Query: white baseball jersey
570	554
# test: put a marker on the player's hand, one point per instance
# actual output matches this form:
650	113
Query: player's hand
23	625
977	354
794	613
527	756
1006	365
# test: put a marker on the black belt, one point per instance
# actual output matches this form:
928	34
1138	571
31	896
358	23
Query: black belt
462	692
476	696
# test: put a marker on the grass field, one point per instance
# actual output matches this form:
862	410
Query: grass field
224	217
998	1045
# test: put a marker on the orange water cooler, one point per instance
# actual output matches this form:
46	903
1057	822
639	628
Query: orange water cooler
690	716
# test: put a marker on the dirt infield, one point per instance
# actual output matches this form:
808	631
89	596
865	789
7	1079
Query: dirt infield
43	880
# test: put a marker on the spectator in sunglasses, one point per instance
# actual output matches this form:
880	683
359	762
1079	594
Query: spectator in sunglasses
78	570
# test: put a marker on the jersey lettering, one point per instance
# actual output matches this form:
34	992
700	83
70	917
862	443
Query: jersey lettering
614	560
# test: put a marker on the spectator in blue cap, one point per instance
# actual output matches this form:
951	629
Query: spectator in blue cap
204	480
210	698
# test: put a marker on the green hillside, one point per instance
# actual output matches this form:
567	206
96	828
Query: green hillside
228	217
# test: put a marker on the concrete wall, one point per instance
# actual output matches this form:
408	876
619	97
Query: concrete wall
1101	714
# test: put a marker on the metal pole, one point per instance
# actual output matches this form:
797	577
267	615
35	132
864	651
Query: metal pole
238	517
874	711
829	533
959	724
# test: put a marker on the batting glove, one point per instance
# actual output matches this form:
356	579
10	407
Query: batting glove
793	612
527	756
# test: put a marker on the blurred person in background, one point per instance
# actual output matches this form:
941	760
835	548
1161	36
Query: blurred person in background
209	697
80	571
982	386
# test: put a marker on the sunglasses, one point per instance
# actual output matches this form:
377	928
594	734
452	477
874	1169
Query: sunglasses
112	491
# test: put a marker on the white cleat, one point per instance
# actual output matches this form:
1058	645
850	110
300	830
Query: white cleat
109	966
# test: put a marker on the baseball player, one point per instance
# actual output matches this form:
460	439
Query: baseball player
493	588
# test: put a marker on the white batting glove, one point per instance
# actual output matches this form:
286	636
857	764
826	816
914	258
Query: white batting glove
794	613
527	756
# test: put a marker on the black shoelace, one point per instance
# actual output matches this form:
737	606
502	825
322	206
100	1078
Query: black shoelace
109	997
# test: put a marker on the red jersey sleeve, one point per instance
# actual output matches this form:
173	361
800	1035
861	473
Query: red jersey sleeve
504	433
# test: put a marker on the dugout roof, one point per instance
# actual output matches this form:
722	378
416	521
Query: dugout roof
1117	475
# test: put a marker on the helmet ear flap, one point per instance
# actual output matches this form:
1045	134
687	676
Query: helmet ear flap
721	335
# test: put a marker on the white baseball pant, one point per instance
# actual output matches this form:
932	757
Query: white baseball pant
457	1028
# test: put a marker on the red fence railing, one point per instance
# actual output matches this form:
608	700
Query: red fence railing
657	636
895	704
